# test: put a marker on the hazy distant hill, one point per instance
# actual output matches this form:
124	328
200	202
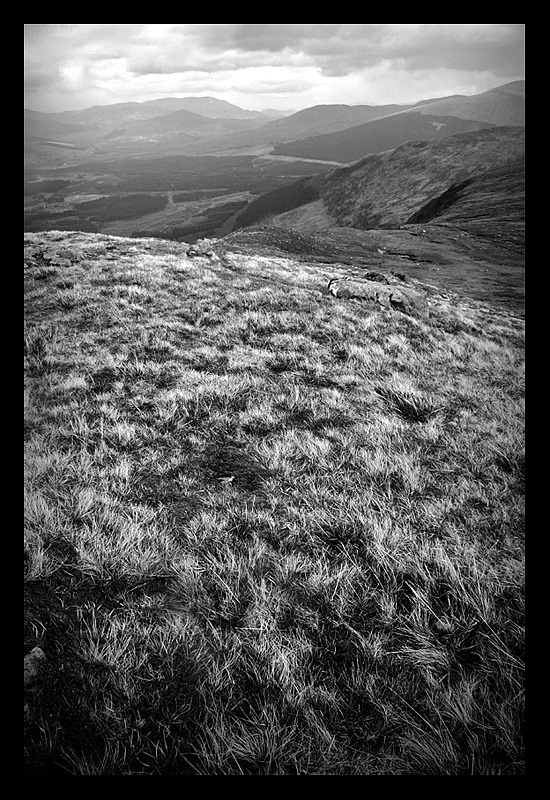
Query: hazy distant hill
500	106
312	121
182	122
38	126
173	129
206	106
132	128
504	105
110	116
252	132
325	119
277	113
377	136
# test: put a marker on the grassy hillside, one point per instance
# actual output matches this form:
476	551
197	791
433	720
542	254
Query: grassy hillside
268	532
377	136
326	118
385	190
504	105
490	269
487	205
389	190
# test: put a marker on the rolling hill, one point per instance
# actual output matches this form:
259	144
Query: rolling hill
205	106
325	119
386	190
42	127
110	116
504	105
250	132
132	128
311	121
377	136
170	131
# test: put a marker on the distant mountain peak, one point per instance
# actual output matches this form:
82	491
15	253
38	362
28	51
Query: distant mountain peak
207	106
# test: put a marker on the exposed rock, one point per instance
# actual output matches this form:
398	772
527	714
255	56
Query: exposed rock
203	247
406	300
34	661
375	276
62	257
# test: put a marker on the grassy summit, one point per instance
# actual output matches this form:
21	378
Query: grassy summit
268	531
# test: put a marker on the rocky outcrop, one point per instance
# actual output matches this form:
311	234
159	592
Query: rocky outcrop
203	248
33	662
375	276
386	295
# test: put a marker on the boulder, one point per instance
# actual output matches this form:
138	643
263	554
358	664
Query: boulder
403	299
374	276
203	247
34	661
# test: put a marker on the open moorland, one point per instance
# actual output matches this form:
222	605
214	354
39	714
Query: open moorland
269	531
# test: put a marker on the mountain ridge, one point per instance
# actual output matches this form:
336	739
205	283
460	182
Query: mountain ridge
386	189
378	135
264	132
503	105
206	106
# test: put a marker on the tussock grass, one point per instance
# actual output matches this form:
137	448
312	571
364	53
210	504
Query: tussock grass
267	531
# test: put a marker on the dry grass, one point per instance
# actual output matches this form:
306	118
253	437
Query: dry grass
267	531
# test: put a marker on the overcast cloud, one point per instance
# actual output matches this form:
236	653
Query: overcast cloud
266	66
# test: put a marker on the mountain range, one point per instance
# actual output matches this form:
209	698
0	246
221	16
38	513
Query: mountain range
212	126
446	171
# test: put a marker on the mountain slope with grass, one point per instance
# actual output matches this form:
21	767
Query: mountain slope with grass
378	136
503	105
268	531
325	119
417	180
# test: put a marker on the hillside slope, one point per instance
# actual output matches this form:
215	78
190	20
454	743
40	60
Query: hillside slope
325	119
387	190
268	531
39	126
377	136
504	105
169	131
311	121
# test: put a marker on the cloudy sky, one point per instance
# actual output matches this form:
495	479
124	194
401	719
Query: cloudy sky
266	66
